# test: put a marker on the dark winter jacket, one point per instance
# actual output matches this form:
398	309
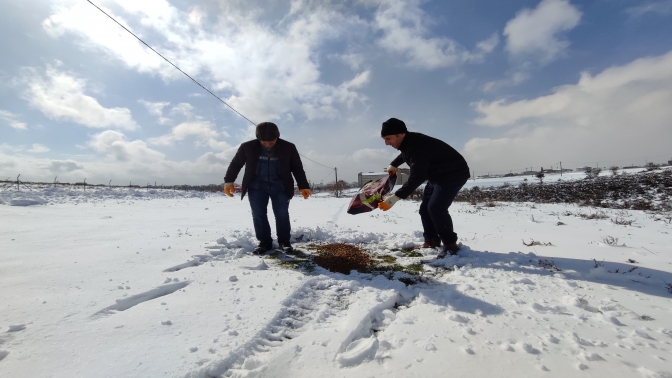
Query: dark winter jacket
430	159
289	162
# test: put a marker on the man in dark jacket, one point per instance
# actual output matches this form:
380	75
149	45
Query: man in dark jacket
269	164
445	171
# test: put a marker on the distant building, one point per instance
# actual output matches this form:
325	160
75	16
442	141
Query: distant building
364	177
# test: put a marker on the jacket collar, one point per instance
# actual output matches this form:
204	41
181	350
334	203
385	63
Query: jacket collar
406	143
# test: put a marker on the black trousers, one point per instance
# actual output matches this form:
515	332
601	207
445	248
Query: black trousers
436	221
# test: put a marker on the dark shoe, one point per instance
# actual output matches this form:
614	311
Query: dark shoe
431	243
448	249
262	248
286	247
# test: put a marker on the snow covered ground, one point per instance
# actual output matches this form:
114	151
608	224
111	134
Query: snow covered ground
135	283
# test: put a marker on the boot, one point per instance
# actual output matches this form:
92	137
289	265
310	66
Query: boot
431	243
263	247
448	249
286	247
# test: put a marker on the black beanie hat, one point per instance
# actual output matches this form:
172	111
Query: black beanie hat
267	131
393	126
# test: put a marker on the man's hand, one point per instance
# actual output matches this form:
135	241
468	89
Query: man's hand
305	193
391	170
388	203
228	189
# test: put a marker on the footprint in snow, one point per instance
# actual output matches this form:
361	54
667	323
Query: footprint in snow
530	349
16	328
525	281
507	347
459	318
298	310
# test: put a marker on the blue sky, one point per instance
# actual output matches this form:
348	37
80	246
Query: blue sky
509	84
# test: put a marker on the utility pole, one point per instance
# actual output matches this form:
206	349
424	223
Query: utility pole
561	169
336	172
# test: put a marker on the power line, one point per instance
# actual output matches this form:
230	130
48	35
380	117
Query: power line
187	75
326	176
316	162
171	63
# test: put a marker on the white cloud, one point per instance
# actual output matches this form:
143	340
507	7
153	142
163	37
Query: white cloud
202	130
128	161
183	108
355	61
403	25
64	166
11	149
489	44
12	120
82	18
513	80
657	7
39	148
536	32
59	95
154	108
7	163
115	145
262	72
618	114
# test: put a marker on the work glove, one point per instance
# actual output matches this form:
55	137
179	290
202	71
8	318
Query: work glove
391	170
228	189
305	193
388	202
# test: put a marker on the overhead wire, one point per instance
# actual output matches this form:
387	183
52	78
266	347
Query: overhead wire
186	74
169	62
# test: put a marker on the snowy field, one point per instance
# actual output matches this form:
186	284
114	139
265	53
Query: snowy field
128	283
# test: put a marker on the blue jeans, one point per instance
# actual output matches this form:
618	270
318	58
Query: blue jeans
436	221
259	204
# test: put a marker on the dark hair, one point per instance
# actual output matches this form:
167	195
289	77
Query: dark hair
267	131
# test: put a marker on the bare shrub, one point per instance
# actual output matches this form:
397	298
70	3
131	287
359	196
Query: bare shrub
610	240
598	263
597	215
549	264
614	170
592	173
536	242
653	189
621	221
640	204
651	166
